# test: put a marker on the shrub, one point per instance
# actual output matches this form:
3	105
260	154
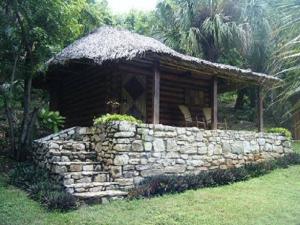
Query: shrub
36	181
115	117
51	120
162	184
59	200
280	130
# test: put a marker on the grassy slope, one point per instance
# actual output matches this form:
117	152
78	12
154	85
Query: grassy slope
271	199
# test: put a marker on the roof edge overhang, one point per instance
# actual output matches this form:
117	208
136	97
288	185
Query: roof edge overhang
226	72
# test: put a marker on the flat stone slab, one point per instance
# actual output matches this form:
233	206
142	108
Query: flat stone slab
101	194
75	163
84	173
91	184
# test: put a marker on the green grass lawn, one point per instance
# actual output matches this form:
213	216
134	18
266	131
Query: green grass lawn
270	199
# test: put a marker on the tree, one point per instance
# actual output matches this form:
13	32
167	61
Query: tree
206	29
285	61
31	32
255	13
137	21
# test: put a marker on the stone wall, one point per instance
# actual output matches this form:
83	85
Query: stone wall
48	149
132	152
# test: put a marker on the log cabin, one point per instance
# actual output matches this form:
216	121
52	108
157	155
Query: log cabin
113	70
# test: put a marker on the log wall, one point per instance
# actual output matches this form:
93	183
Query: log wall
82	97
174	91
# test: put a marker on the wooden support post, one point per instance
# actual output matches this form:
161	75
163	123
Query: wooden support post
214	124
156	93
260	110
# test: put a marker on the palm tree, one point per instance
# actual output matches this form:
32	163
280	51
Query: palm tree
286	59
202	28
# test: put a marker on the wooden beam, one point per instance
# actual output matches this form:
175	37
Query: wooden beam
156	94
260	110
214	124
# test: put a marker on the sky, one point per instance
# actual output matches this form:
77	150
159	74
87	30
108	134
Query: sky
123	6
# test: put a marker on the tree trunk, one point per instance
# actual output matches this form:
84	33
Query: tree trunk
11	125
24	147
9	112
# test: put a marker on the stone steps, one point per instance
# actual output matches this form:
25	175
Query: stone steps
71	145
85	177
101	196
68	155
91	187
74	164
65	167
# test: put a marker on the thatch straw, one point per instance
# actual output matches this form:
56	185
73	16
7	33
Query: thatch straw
112	44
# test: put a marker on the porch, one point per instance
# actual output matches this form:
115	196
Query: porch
152	92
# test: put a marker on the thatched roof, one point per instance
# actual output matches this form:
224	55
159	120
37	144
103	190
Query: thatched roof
113	44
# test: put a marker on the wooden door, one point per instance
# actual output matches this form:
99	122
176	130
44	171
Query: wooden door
134	96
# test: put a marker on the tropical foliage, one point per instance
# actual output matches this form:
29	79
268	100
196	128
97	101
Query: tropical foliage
31	32
51	120
115	117
286	56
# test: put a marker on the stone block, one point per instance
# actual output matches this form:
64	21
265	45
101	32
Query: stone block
116	171
65	159
268	147
87	167
137	146
134	161
184	156
158	145
59	169
195	162
128	167
247	147
124	134
218	150
144	161
172	145
75	167
78	146
121	160
82	130
122	147
85	180
124	182
238	147
202	150
180	161
175	169
261	141
142	167
157	154
172	155
100	178
152	172
148	146
226	147
127	126
188	149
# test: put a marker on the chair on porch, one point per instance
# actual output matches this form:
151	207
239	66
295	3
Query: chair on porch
189	119
208	119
